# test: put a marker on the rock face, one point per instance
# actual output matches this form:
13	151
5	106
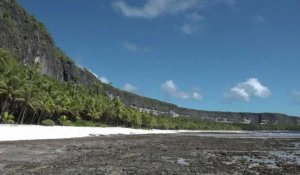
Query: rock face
29	39
31	42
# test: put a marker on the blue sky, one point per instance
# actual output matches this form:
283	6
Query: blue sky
224	55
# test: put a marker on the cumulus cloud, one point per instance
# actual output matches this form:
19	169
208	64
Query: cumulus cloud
296	97
92	72
189	28
130	88
227	2
259	19
101	78
155	8
79	65
104	80
195	17
247	90
135	48
197	96
192	24
171	89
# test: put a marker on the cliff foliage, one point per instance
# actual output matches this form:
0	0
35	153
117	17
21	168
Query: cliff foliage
28	96
31	43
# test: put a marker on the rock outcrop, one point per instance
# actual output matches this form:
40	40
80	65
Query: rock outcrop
29	39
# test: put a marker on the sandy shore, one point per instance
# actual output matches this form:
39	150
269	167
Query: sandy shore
37	132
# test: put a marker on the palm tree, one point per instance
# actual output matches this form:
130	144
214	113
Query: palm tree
29	101
6	92
8	118
98	88
30	92
8	78
9	90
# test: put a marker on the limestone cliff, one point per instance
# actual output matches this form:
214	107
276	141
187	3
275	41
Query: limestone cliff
31	42
29	39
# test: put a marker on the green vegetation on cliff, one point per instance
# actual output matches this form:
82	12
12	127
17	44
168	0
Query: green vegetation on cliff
30	41
28	96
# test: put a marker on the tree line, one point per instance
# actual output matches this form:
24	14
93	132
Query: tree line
28	96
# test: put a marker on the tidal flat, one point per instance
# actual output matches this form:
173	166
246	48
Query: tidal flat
184	153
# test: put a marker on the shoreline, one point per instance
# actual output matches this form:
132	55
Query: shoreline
39	132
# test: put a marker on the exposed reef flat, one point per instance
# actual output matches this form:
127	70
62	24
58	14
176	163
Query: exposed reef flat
185	153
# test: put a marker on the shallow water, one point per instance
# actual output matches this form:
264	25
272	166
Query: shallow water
249	134
269	158
253	162
182	161
288	157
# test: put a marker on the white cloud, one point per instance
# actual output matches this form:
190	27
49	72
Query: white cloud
189	28
259	19
130	88
192	24
296	97
195	17
104	80
247	90
92	73
171	89
135	48
197	96
155	8
227	2
79	66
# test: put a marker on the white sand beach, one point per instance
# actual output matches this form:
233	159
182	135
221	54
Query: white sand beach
37	132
